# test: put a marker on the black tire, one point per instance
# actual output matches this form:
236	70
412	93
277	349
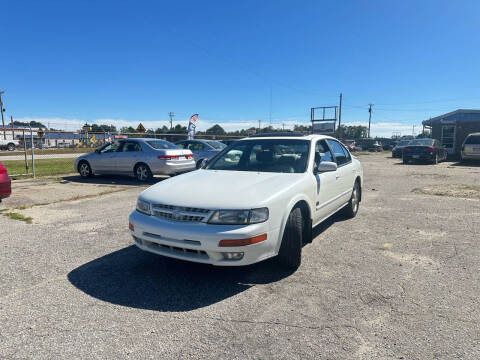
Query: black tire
435	159
142	172
405	161
350	211
84	169
11	147
290	253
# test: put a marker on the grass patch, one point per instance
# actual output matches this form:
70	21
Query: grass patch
17	216
43	167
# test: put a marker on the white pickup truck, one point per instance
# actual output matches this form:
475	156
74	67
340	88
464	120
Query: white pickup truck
9	144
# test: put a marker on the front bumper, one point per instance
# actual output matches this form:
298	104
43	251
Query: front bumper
5	187
198	241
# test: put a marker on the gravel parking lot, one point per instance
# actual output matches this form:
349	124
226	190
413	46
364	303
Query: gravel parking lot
399	281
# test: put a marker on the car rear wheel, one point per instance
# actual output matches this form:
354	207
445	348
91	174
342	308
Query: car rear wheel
435	159
85	170
351	209
10	147
290	253
142	172
405	161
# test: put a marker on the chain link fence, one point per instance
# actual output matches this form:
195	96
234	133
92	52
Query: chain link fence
38	152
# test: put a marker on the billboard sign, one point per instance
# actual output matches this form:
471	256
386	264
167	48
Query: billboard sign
321	127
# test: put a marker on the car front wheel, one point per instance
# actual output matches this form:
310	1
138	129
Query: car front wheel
290	253
352	207
84	169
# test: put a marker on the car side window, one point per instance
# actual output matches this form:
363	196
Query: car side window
110	148
322	152
183	145
131	146
197	146
341	154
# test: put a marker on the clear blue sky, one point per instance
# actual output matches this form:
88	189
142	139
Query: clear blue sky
131	61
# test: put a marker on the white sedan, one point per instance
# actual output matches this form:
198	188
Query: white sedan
256	199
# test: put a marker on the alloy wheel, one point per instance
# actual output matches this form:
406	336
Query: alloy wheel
142	173
84	170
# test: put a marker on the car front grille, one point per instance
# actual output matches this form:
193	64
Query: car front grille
180	213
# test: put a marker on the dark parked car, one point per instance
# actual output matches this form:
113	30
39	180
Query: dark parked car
424	150
202	149
376	146
397	150
229	141
5	183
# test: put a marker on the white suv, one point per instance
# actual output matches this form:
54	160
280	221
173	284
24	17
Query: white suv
256	199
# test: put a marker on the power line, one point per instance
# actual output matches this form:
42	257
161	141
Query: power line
240	66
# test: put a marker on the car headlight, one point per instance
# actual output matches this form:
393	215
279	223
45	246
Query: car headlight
143	207
239	217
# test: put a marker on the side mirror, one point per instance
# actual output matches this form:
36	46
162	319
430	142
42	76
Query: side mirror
97	151
325	166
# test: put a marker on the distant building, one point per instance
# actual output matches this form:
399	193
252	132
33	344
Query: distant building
452	128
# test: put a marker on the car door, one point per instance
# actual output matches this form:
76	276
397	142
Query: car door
345	171
198	150
103	163
327	184
127	157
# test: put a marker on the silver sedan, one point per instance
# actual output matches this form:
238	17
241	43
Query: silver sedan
141	158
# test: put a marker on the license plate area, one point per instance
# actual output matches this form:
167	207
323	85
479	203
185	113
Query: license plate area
416	156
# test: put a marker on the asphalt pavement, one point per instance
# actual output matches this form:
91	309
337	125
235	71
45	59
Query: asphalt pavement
400	281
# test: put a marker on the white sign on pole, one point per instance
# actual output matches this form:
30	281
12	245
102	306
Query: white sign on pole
323	127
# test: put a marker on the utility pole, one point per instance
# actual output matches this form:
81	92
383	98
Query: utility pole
340	113
1	110
259	121
270	114
413	131
369	118
283	125
13	130
171	115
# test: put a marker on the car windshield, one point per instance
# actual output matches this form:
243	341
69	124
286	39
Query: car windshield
216	144
424	142
162	144
267	155
403	143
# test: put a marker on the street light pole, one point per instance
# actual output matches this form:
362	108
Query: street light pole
3	121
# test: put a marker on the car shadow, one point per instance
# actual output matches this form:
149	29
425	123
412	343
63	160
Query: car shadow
134	278
324	225
466	163
112	180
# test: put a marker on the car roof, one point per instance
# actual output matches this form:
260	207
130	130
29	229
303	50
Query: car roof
141	139
473	134
296	136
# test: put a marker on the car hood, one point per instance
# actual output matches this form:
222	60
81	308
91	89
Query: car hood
219	189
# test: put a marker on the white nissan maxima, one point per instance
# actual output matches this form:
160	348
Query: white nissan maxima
256	199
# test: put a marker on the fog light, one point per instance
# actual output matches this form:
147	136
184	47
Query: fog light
233	255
